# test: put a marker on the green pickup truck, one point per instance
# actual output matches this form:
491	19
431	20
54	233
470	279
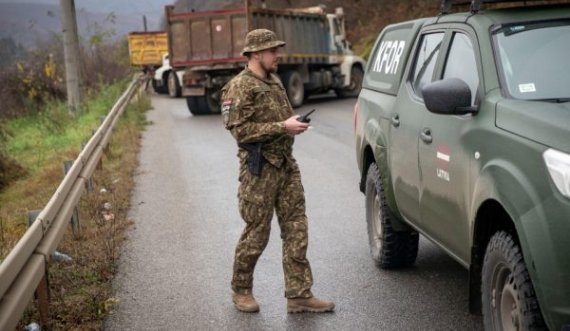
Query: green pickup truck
462	133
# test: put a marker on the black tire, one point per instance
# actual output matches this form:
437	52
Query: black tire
295	88
352	91
197	105
174	89
389	248
505	280
213	101
162	89
204	105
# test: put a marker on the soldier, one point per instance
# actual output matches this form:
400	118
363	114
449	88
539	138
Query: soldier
258	114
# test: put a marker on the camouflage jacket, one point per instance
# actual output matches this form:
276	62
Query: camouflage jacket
255	110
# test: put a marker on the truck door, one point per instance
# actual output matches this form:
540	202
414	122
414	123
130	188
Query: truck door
444	160
406	124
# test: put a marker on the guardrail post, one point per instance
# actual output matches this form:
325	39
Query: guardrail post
42	291
75	224
89	182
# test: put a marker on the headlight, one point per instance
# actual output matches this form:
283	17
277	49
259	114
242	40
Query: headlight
558	164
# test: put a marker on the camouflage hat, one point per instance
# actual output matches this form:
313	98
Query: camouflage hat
259	40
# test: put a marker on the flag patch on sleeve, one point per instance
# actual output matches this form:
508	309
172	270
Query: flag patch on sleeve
226	105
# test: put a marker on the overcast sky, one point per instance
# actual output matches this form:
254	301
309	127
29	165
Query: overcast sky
153	9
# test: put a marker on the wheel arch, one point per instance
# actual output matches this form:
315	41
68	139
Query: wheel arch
495	207
348	63
490	218
379	155
367	160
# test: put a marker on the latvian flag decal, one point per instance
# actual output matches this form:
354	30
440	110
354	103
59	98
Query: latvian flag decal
443	158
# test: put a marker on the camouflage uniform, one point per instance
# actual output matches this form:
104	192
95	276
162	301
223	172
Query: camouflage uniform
254	110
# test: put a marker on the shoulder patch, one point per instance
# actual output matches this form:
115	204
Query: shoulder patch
227	105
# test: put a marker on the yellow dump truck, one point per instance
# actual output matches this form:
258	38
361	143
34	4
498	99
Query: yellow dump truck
147	48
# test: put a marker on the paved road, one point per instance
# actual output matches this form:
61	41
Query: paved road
175	268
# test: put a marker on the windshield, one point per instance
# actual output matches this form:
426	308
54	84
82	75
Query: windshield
535	61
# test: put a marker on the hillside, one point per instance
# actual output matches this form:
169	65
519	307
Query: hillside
366	18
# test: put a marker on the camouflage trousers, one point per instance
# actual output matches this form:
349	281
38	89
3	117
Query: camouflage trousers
278	189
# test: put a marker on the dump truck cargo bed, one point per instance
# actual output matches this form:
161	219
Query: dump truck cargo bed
147	48
217	37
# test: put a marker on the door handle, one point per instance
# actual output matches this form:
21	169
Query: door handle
395	120
425	135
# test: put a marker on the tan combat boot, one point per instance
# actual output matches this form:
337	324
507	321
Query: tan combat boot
245	303
312	305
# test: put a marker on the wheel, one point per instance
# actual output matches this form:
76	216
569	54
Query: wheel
389	248
352	91
213	101
294	86
197	105
160	89
204	105
174	89
509	300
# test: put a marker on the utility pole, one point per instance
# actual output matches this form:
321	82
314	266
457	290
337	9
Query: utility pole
144	23
71	53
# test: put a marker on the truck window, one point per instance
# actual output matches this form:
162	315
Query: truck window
461	63
426	57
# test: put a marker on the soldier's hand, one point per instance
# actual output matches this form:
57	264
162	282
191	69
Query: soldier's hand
294	126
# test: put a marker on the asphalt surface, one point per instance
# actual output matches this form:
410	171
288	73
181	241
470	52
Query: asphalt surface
175	268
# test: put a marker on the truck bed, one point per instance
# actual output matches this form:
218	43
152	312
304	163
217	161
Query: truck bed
217	37
147	48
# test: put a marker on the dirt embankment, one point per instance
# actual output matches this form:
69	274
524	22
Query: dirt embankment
366	18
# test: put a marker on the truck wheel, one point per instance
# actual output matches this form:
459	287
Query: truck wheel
212	101
389	248
509	300
204	105
174	89
160	89
294	86
197	105
352	91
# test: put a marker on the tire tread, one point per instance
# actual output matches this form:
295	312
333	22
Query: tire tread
399	249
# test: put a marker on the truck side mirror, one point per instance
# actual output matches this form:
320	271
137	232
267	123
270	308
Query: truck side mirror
451	96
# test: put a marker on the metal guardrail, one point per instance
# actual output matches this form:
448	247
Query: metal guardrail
24	270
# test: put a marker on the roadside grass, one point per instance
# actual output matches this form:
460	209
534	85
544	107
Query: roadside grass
40	142
80	291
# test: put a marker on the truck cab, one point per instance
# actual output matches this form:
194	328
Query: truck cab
166	80
462	135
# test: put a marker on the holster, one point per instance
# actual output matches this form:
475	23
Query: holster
255	159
